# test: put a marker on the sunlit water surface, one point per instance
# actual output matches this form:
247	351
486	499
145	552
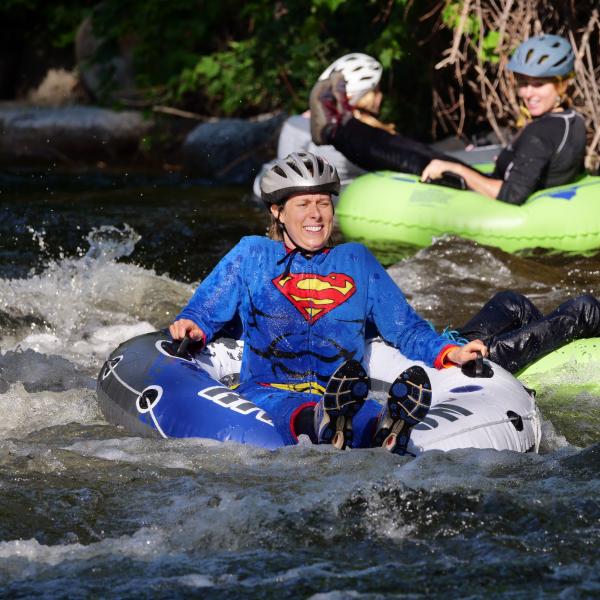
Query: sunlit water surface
88	510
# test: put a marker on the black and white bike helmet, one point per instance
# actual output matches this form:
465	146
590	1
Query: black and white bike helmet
361	72
543	56
297	173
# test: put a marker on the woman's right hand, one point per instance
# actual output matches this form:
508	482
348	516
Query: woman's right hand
459	355
182	327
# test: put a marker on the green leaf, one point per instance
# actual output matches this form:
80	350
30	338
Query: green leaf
332	5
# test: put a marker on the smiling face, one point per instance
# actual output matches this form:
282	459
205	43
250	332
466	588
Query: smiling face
539	94
308	220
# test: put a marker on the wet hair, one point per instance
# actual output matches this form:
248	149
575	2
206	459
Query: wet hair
274	231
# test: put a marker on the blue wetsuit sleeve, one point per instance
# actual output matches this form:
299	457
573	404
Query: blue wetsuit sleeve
216	300
397	322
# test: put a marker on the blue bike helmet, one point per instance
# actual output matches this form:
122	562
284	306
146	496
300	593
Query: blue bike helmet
543	56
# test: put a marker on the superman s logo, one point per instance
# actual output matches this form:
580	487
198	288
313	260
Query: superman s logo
315	295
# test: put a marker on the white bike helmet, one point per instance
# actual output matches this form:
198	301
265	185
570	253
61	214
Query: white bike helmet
296	173
361	72
543	56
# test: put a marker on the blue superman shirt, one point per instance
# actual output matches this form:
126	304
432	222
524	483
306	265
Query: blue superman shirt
300	326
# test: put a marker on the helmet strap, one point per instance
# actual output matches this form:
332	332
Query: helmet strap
289	257
304	251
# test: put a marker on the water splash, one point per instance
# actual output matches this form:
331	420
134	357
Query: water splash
82	307
38	237
109	243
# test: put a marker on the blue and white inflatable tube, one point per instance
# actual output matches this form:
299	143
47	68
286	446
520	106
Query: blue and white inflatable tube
144	387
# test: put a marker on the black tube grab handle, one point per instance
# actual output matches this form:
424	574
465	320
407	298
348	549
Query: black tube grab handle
449	179
478	364
477	368
182	348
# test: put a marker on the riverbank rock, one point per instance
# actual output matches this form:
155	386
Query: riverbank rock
112	79
231	150
69	135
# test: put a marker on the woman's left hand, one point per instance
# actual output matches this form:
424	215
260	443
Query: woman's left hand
462	354
436	168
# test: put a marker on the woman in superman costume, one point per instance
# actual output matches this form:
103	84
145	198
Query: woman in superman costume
305	306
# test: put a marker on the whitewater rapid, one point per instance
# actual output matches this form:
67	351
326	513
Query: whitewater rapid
91	510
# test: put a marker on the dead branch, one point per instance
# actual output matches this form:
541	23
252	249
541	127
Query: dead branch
465	67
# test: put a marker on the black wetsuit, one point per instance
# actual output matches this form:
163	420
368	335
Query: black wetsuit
517	333
548	151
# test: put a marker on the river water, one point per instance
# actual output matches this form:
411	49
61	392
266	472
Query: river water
87	261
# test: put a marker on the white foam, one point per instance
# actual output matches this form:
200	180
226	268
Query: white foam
99	342
91	303
44	343
23	559
340	595
24	412
551	439
467	469
169	454
105	339
195	580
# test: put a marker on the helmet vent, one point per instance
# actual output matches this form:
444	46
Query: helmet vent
295	168
361	72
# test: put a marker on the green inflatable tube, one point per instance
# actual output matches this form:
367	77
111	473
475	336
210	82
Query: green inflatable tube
387	207
567	383
576	364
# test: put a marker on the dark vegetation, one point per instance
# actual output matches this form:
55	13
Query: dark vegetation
444	59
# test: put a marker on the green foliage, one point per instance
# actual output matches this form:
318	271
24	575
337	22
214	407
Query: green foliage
225	57
214	57
287	46
228	77
489	47
332	5
472	28
451	17
264	71
34	19
165	36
